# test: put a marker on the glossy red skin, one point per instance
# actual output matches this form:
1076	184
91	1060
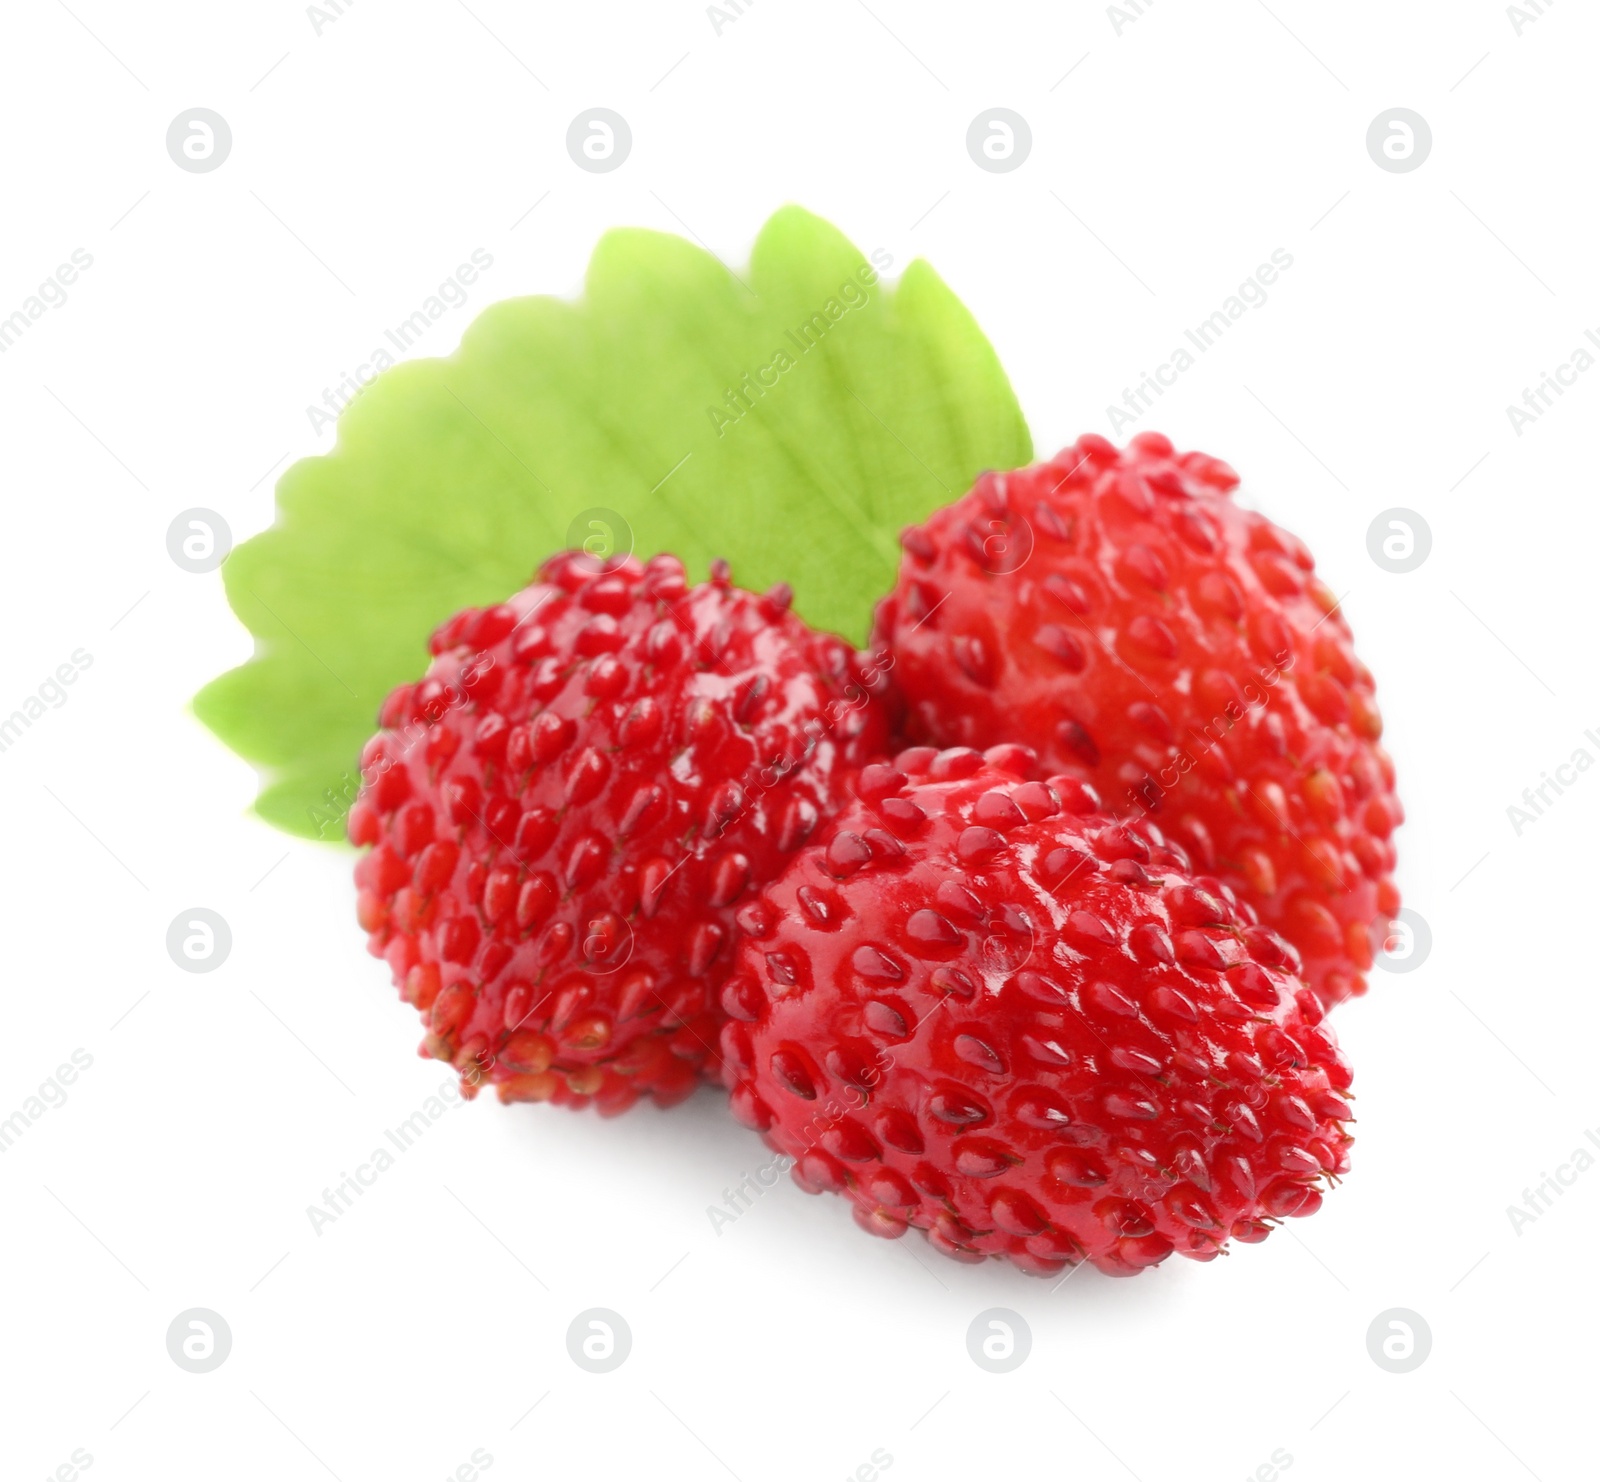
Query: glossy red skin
1120	614
1096	1056
571	807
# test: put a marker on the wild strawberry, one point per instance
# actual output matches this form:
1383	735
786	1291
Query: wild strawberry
1122	615
567	813
977	1006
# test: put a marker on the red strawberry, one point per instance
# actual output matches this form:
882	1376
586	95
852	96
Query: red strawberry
1122	615
977	1006
569	809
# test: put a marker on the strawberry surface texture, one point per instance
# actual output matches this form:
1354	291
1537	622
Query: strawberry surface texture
1120	613
565	815
978	1006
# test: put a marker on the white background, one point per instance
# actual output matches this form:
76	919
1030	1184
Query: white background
368	161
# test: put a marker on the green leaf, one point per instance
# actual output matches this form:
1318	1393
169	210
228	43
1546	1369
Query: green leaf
865	407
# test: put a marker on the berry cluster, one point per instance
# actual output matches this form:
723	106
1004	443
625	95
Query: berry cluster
1018	928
